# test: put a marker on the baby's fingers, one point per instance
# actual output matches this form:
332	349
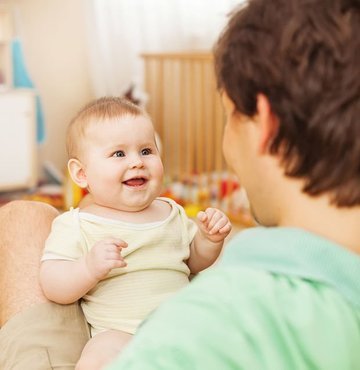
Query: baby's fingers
225	229
120	263
113	255
216	220
206	217
119	242
219	224
116	263
115	242
202	216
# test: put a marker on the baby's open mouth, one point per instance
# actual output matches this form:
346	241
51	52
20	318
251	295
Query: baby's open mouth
136	181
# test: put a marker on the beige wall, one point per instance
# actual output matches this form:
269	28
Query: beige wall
53	34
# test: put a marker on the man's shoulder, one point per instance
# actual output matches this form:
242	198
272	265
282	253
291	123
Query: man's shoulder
277	317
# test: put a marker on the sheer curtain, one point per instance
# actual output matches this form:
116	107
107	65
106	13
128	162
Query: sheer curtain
120	30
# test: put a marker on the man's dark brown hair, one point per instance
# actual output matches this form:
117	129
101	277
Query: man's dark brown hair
304	56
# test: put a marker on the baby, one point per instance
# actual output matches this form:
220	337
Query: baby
129	249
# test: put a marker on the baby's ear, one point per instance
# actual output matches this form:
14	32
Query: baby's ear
77	173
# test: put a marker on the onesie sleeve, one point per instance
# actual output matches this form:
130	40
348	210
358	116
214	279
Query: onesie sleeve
64	240
189	225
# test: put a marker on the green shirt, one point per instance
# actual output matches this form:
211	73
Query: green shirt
281	299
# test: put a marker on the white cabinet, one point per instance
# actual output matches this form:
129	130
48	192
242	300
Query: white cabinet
6	33
18	149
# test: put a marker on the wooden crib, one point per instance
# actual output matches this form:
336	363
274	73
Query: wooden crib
186	109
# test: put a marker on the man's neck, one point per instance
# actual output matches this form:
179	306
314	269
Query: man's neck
317	215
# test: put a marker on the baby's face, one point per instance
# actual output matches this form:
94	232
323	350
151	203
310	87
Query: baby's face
122	164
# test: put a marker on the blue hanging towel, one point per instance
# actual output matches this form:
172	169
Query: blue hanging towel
21	79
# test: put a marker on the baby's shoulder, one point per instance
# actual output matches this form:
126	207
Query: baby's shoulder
168	203
68	217
161	208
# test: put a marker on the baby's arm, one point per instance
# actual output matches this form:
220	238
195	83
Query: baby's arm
214	226
66	281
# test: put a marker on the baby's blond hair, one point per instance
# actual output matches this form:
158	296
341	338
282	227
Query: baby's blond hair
96	112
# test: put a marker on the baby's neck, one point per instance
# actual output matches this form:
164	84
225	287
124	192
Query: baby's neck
157	211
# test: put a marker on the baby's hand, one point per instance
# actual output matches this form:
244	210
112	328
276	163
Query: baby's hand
214	224
104	256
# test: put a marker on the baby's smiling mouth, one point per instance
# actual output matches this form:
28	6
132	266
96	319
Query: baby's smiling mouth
136	181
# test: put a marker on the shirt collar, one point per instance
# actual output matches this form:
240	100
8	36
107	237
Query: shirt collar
297	252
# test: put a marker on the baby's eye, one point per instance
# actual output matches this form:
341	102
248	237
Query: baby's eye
146	151
119	153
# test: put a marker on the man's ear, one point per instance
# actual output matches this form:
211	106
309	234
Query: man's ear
268	123
77	172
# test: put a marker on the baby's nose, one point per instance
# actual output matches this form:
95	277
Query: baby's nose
136	162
